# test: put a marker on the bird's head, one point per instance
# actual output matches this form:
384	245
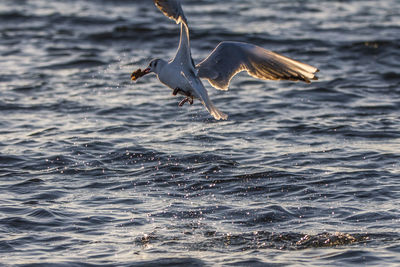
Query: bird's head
155	66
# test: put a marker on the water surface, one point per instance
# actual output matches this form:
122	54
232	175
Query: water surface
96	169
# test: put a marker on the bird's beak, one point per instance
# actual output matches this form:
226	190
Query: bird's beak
139	73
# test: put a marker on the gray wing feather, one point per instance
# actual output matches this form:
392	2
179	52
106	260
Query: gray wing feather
230	58
172	9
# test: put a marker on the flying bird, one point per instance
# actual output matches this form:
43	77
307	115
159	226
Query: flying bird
225	61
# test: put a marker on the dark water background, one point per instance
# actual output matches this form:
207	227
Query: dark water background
96	169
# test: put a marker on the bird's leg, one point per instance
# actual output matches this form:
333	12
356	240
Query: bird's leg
190	99
176	91
183	101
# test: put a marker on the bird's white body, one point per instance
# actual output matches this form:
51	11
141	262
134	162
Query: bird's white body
225	61
171	74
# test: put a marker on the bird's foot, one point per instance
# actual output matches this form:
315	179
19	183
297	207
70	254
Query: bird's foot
187	99
183	102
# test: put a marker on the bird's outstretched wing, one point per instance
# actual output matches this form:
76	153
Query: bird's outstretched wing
230	58
172	9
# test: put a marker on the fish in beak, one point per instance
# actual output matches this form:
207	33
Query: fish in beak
139	73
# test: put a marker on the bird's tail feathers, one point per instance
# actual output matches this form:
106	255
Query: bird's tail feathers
203	96
214	111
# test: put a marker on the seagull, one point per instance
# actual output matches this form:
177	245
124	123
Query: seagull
225	61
